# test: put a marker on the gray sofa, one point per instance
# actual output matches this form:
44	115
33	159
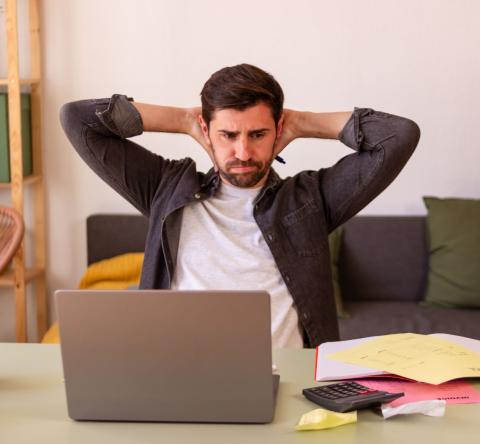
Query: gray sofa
383	272
383	267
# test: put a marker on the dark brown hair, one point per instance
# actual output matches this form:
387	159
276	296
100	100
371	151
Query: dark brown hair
240	87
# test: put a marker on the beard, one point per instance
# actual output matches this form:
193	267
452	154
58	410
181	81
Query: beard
248	179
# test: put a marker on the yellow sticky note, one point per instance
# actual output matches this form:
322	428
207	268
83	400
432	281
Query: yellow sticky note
422	358
319	419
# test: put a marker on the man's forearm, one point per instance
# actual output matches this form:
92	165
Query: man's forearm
320	125
166	119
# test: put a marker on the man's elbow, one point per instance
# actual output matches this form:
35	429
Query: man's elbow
410	134
69	115
73	118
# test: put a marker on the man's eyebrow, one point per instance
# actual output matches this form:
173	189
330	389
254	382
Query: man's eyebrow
235	133
230	133
259	130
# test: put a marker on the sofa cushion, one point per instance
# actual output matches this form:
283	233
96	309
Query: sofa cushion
380	318
453	227
384	258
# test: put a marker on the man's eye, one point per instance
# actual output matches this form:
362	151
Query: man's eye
258	135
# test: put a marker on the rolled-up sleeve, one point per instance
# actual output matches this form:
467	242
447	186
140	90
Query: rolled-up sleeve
121	117
98	130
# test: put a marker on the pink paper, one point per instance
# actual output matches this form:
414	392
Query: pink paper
453	392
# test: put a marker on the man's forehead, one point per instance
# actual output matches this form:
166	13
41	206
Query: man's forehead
254	117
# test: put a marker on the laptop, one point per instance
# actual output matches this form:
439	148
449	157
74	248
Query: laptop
161	355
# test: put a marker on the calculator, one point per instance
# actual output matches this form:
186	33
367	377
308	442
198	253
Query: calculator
347	396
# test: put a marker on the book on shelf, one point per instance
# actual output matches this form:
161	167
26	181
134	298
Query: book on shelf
25	104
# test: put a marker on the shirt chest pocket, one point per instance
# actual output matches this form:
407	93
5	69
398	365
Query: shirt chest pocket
302	228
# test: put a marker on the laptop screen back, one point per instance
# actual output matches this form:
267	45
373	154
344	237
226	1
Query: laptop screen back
157	355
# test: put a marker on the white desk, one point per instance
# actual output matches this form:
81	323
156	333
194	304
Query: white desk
33	410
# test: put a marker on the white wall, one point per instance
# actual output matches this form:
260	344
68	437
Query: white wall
414	58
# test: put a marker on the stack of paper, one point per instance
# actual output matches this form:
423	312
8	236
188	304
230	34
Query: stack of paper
432	359
423	365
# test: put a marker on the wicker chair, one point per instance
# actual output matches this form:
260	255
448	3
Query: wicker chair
11	235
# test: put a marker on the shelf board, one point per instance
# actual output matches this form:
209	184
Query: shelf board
7	278
22	81
28	180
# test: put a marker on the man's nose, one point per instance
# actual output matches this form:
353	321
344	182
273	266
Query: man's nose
242	149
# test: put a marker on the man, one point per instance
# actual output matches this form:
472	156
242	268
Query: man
240	226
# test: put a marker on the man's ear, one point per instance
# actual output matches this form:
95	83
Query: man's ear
204	128
206	137
280	125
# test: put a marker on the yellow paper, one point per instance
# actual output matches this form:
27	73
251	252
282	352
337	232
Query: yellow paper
319	419
423	358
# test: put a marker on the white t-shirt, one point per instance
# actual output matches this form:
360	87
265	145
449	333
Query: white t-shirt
222	248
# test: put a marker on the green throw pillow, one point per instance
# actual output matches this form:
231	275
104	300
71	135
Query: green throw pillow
453	233
335	241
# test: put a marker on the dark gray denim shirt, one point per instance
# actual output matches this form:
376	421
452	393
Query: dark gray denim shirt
295	214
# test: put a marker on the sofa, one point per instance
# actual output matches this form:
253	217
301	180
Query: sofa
383	268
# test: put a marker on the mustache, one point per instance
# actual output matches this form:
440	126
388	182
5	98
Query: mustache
243	163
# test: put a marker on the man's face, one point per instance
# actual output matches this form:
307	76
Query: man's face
242	144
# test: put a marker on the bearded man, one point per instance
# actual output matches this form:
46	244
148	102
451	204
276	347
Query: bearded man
240	226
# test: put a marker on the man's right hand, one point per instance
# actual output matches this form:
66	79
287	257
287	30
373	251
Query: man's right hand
195	131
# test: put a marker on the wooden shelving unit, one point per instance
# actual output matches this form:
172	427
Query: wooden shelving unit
20	275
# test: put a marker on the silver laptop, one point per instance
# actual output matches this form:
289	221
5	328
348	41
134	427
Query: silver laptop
157	355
